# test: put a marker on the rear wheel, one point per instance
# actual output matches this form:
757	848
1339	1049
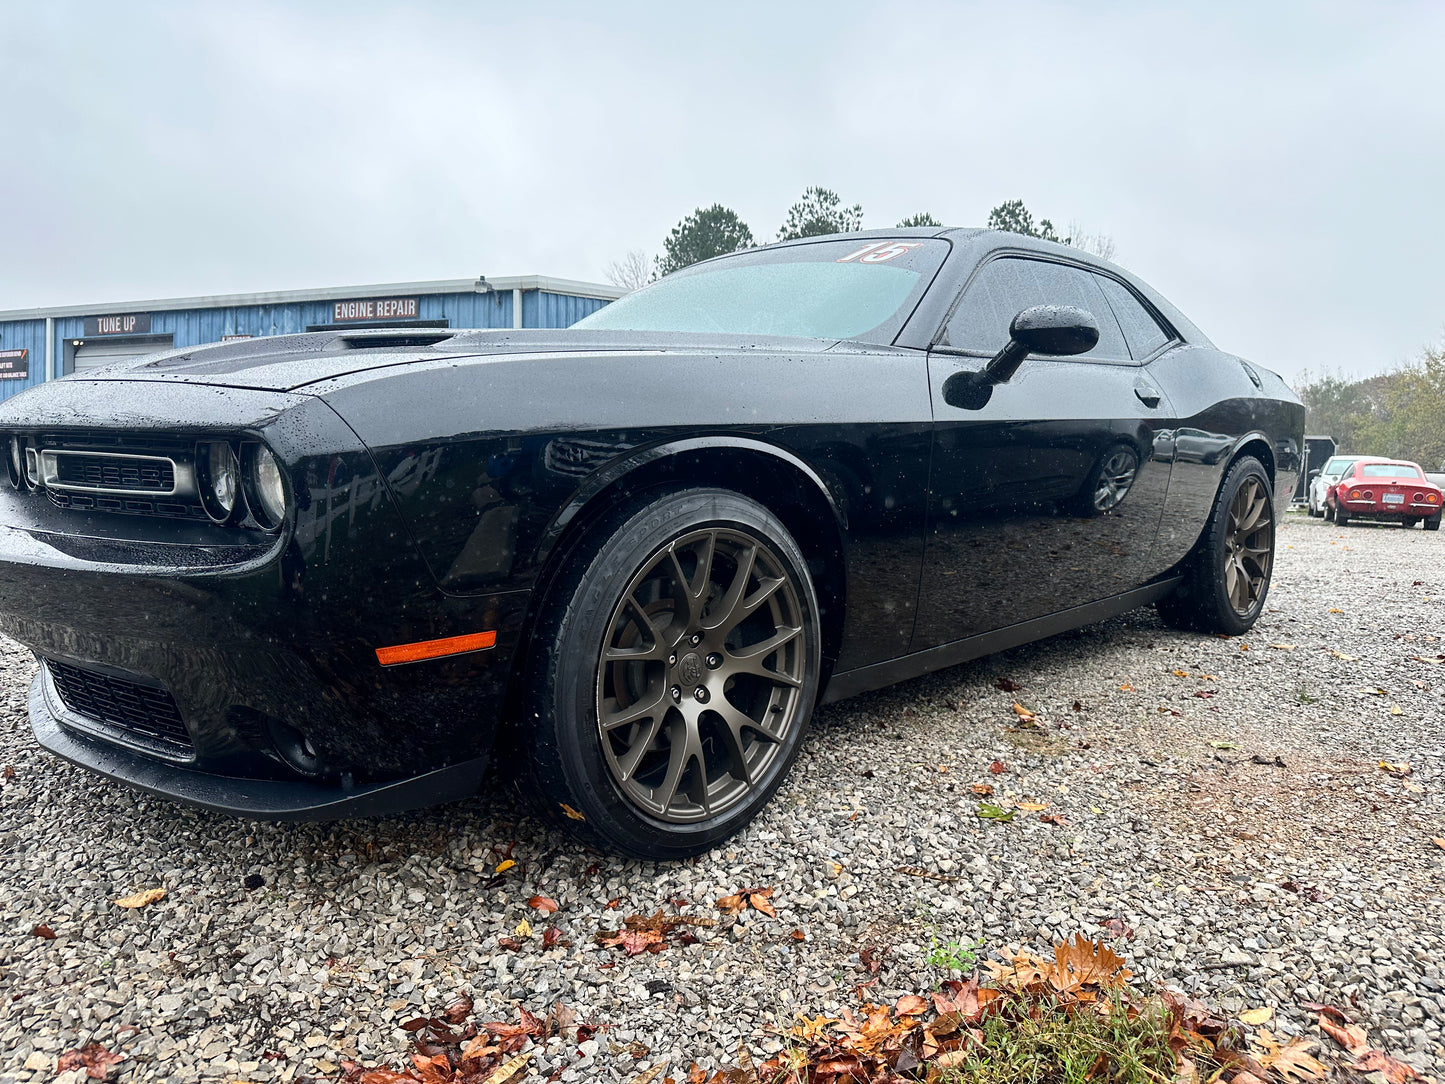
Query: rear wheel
1409	521
679	662
1227	578
1432	523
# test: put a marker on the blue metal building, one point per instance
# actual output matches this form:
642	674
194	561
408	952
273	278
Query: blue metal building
41	344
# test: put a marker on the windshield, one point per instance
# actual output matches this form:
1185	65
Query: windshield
1389	470
859	289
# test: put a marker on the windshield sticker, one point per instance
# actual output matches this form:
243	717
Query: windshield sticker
880	251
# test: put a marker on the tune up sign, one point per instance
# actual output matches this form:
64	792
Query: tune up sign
14	364
130	323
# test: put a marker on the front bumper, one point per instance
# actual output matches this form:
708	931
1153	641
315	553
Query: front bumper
262	799
249	655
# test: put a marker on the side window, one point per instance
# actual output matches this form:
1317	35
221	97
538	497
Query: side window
1005	287
1141	330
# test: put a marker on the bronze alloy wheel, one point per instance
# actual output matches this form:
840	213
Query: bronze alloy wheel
700	675
1248	545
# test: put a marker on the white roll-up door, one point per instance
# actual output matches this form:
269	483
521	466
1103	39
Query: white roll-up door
94	353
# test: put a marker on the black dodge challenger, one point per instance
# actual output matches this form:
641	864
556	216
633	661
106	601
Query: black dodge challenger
324	575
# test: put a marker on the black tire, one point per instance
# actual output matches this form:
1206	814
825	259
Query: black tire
1226	579
1329	513
648	631
1409	521
1432	523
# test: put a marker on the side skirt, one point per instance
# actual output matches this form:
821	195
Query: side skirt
876	676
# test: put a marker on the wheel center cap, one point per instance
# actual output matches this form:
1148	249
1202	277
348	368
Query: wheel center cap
690	668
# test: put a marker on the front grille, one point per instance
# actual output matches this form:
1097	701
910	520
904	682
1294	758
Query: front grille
144	506
115	472
144	710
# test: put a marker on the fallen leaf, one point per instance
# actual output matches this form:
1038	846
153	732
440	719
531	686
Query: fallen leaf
1181	673
1439	841
1204	694
1291	1060
1262	1015
458	1010
543	904
504	866
1396	1072
49	934
507	1070
1223	744
998	767
511	944
759	901
1126	688
1350	1036
731	905
1056	819
798	935
1282	647
1031	807
1342	655
1336	610
571	813
1395	709
1374	690
551	936
1006	685
994	813
1399	770
910	1005
1023	712
142	899
523	929
95	1059
983	790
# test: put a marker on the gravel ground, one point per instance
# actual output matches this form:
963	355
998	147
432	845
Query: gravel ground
1239	823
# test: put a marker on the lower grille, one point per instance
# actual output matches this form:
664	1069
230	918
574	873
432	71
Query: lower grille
144	710
136	506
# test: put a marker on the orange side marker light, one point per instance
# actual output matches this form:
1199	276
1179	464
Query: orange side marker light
435	649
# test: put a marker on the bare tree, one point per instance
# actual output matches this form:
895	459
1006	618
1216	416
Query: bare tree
632	272
1100	244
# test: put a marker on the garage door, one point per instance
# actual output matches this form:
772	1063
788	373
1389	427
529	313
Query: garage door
94	353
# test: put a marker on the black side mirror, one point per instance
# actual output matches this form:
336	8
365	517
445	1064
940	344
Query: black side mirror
1060	330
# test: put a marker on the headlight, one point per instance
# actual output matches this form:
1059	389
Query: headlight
265	487
219	478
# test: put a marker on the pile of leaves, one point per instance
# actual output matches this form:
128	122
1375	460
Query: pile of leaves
449	1051
1035	1020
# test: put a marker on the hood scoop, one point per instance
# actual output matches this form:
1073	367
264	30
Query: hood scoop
387	340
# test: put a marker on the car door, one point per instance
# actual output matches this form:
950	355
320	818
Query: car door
1048	496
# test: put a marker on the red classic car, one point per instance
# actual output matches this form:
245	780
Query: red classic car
1387	490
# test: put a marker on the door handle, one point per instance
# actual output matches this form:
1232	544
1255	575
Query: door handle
1148	395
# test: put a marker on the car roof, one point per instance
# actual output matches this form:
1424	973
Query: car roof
1378	461
977	243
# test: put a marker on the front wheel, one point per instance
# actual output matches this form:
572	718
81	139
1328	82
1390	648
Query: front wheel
678	662
1227	578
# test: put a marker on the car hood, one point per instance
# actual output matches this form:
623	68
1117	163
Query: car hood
289	362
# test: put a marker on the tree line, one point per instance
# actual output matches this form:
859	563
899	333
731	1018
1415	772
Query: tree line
718	230
1399	414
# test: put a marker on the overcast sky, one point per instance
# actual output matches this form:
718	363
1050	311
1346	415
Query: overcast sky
1276	170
